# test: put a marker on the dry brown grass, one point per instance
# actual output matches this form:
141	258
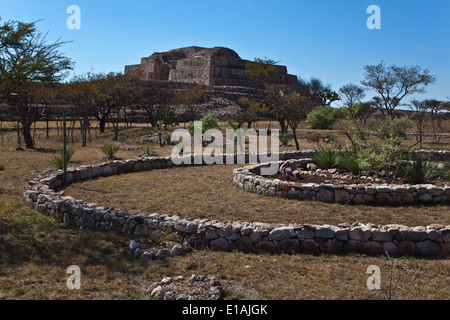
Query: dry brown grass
35	250
207	192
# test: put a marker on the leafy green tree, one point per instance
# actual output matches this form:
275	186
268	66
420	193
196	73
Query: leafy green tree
395	83
26	59
261	70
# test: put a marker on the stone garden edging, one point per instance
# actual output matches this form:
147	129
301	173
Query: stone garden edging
43	195
249	179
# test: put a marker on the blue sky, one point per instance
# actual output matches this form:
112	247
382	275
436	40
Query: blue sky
327	39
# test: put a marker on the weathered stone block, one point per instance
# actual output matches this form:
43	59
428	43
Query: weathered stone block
360	234
331	247
242	244
282	233
288	245
372	248
325	232
381	235
406	247
363	198
341	196
341	234
309	246
325	195
219	244
390	248
428	249
435	235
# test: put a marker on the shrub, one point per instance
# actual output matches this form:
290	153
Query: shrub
284	139
419	170
326	157
349	161
168	139
210	121
110	150
331	138
233	125
322	117
369	160
58	160
445	171
389	152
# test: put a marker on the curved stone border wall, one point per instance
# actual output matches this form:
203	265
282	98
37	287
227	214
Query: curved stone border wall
248	178
42	194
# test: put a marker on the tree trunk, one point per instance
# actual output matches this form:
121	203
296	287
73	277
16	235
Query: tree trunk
297	145
102	124
1	131
19	139
26	130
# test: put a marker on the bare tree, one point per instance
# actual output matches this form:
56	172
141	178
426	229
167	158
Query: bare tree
436	108
352	94
420	111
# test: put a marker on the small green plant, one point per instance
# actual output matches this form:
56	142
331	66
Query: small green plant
147	150
445	171
168	139
238	296
322	117
349	161
331	138
327	157
110	150
210	121
285	139
58	160
369	160
419	170
233	125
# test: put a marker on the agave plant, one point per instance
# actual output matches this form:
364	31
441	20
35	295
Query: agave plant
58	160
327	157
419	170
349	161
284	139
110	150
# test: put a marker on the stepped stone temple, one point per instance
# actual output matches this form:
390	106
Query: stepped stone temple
217	66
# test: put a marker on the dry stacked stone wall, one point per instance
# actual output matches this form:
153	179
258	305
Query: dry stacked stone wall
44	195
249	178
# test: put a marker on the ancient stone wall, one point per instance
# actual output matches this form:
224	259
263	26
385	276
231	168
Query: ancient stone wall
207	66
248	178
43	195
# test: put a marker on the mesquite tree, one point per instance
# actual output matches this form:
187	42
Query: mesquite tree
26	59
395	83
